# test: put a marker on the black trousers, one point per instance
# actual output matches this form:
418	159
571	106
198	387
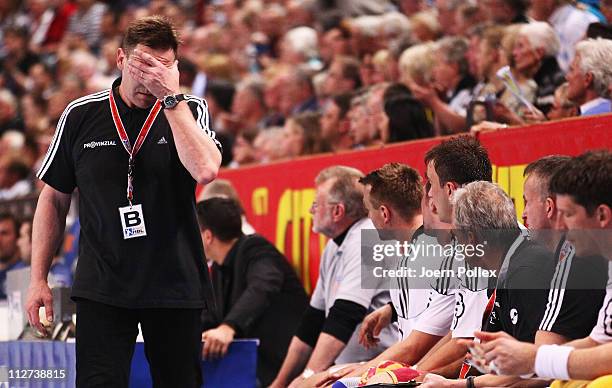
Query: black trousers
106	335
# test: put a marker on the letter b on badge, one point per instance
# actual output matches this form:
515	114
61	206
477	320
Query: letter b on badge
132	221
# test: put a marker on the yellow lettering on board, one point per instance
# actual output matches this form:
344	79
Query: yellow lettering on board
259	201
510	178
294	209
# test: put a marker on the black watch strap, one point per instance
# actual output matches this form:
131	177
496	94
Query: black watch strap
469	382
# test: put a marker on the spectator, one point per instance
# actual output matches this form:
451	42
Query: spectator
569	22
415	65
447	15
562	107
302	136
336	41
343	75
17	59
266	144
335	124
468	16
374	110
222	188
329	328
452	80
86	21
589	77
243	149
506	11
405	117
362	131
298	95
24	241
9	252
255	289
299	45
248	108
14	177
9	117
534	56
219	96
425	25
410	7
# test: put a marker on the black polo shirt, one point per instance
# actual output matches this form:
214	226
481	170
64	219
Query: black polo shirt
522	290
165	268
577	291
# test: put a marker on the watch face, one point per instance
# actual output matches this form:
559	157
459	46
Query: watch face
170	101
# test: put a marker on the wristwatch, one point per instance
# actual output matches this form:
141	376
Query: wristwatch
170	101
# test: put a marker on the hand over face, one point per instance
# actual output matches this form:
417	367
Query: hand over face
160	79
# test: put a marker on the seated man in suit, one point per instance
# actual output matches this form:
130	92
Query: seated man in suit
257	293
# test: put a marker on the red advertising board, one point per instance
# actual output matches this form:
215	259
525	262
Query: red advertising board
277	196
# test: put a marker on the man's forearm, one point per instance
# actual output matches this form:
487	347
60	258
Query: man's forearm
325	352
451	120
508	381
295	361
47	230
588	364
583	343
196	150
447	355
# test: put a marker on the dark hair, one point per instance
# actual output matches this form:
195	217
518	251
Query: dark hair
461	159
350	69
18	167
309	122
222	92
343	102
156	32
397	185
587	179
544	168
6	216
222	216
407	117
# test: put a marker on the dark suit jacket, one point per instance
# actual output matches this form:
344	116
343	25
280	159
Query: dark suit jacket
258	294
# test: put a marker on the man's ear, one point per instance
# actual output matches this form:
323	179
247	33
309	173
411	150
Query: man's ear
604	216
551	208
338	212
588	80
450	188
207	236
386	213
121	58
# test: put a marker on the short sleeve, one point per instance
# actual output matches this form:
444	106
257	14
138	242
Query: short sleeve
470	307
317	300
349	287
199	109
435	319
57	169
602	332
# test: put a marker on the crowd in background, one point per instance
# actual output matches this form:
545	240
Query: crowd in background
298	77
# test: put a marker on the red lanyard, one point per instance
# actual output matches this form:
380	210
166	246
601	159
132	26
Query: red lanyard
142	135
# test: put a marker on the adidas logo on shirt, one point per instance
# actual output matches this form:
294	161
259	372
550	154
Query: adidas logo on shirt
162	140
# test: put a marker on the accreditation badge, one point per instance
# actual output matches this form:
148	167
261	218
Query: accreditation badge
132	221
